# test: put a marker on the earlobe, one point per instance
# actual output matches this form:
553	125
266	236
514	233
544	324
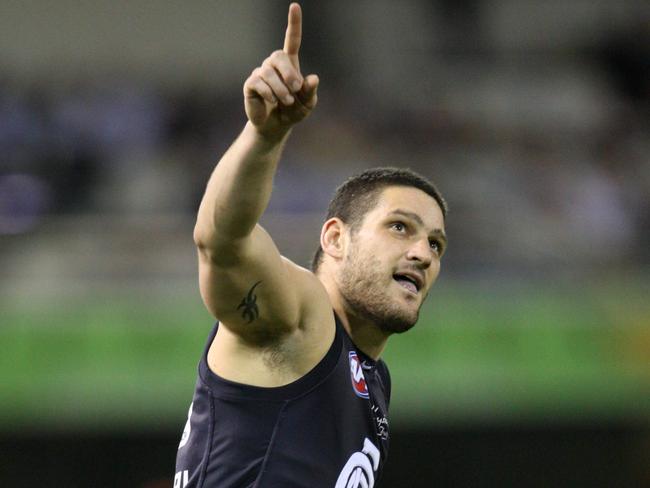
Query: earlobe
331	238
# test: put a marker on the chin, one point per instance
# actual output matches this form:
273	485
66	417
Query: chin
398	323
372	297
390	316
395	327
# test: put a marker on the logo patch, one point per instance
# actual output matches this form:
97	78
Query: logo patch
356	375
359	471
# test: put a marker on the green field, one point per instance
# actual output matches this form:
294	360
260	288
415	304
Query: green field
478	354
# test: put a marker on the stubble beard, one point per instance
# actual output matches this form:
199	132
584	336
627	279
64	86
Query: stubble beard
365	287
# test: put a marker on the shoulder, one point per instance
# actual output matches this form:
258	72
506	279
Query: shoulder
315	304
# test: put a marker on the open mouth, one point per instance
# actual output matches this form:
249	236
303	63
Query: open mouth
408	282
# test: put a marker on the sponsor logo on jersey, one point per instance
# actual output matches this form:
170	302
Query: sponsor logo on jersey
359	471
356	374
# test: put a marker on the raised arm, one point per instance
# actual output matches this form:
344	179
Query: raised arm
244	281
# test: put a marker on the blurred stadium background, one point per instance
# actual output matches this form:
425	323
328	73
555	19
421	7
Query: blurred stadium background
531	363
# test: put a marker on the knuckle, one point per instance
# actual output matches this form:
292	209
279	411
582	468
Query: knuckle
290	72
256	76
255	85
251	78
284	70
249	89
264	89
267	72
279	61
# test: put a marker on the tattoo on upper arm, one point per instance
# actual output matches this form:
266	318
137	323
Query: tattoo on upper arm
249	305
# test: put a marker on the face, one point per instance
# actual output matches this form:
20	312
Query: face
393	258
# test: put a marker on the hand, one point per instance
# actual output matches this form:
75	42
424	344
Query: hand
276	95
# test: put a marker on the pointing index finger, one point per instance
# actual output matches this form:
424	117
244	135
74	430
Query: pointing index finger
293	35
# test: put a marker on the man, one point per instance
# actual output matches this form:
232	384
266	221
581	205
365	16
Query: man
291	391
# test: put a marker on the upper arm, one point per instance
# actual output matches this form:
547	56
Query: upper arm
254	291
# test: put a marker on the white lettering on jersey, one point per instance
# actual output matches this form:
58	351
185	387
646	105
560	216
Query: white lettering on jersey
358	472
187	430
180	479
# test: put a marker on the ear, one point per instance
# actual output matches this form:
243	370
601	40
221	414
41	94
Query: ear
332	238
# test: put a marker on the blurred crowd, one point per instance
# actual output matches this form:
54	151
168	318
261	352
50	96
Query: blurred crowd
543	155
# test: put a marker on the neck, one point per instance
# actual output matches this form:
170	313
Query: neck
364	333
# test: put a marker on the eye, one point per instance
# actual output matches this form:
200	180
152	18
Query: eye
398	226
435	245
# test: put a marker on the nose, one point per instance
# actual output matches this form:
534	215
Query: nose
420	252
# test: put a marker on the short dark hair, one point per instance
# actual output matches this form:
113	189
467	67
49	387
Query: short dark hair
358	194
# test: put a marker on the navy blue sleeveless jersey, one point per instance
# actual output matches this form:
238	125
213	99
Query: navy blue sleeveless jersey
328	429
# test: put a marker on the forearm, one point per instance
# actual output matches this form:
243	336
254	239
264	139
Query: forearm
276	97
238	190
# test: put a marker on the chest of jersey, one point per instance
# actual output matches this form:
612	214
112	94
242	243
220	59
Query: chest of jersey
328	430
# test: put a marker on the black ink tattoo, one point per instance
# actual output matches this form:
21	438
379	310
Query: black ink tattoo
249	305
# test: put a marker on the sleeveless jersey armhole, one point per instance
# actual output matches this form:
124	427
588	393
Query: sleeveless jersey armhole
222	387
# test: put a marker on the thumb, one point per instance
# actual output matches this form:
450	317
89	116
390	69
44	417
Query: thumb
308	93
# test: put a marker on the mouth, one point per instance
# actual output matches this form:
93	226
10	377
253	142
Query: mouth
409	281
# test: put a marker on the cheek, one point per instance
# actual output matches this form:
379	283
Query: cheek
434	269
365	246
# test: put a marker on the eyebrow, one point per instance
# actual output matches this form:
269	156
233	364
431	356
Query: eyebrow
439	233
